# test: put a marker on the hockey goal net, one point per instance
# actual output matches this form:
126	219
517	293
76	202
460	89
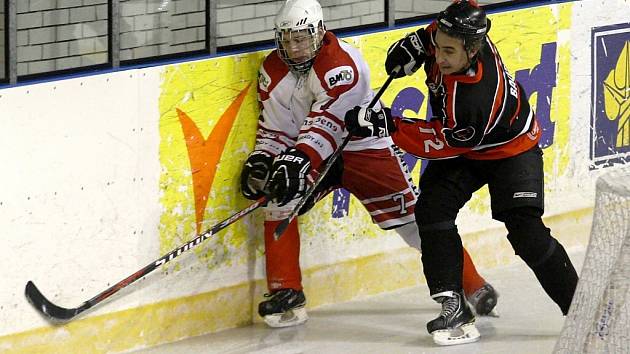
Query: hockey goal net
599	317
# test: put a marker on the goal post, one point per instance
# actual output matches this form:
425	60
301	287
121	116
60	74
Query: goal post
599	318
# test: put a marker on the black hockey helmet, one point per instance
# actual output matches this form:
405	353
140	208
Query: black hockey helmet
466	20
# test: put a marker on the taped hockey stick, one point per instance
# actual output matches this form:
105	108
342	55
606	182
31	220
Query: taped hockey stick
331	160
60	314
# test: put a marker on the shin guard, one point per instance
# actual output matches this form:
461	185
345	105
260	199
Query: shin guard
282	257
558	277
442	259
532	241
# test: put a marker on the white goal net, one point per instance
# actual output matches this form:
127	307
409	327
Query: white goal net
599	317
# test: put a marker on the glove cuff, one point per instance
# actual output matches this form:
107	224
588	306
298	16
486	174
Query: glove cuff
395	122
312	155
261	154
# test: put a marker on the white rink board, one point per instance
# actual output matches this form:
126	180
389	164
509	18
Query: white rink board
78	201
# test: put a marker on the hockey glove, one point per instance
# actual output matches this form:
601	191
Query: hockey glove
289	176
409	53
370	122
255	174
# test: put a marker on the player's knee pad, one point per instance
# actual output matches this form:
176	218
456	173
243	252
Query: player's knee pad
426	226
441	235
432	217
442	258
530	238
442	240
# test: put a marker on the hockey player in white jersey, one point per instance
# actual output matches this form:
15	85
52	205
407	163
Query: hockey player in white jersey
305	87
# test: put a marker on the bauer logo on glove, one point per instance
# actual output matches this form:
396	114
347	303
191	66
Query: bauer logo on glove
289	174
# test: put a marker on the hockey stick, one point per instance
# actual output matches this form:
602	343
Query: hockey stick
331	160
60	314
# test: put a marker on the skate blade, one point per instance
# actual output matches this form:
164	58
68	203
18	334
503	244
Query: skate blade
290	318
467	333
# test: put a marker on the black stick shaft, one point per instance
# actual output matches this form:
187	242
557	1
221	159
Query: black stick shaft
59	313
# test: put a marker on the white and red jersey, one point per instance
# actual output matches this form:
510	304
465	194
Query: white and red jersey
307	111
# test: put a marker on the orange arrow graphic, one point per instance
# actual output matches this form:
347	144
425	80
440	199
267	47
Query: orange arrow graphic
204	154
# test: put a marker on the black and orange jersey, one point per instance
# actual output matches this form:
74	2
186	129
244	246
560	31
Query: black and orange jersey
481	114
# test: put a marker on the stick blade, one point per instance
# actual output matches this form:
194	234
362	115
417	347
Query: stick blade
45	307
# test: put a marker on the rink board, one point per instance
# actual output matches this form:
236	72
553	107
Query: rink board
105	173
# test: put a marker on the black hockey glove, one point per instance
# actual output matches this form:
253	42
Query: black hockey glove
370	122
409	53
289	176
255	174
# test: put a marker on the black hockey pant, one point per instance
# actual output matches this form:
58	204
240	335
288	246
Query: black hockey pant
531	240
447	185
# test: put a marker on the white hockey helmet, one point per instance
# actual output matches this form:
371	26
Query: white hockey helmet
299	31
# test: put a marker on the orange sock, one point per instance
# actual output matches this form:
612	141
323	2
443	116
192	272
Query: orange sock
282	257
471	280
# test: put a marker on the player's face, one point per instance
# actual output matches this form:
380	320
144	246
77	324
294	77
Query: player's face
450	54
298	45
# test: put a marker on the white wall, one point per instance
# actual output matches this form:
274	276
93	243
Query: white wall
79	203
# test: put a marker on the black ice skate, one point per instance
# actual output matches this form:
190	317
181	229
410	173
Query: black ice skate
456	323
285	308
483	301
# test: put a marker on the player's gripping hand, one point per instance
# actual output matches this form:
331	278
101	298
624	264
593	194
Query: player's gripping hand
255	174
289	175
377	122
409	53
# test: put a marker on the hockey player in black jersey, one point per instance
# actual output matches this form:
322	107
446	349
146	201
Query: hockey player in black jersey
483	133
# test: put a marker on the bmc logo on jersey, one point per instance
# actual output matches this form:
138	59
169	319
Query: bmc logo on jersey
342	75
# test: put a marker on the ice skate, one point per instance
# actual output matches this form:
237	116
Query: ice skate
285	308
483	301
456	322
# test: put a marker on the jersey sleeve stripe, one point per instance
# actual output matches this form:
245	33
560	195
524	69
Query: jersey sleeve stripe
266	132
316	159
499	95
331	117
518	105
323	134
